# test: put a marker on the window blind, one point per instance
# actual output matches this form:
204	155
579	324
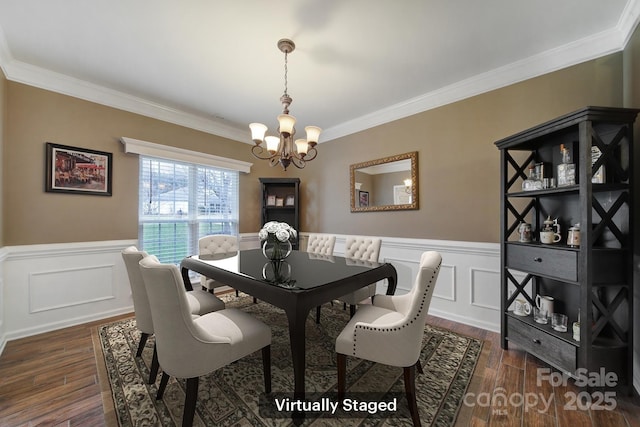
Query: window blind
180	202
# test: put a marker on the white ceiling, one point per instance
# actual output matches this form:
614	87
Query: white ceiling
213	64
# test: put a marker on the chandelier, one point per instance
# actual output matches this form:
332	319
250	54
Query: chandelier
284	149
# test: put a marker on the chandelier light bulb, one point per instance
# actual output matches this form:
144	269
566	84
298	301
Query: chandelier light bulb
258	131
302	146
313	134
272	143
286	123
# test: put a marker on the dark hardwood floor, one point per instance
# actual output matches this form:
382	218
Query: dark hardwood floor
52	380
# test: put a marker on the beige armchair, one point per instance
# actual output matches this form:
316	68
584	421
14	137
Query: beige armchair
216	244
359	251
321	244
390	331
200	302
190	348
365	249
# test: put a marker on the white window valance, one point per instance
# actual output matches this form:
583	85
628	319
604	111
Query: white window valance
146	148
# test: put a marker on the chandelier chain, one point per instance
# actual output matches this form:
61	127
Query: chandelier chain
285	74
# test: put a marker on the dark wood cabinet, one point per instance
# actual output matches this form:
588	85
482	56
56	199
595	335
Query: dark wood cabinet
593	280
281	202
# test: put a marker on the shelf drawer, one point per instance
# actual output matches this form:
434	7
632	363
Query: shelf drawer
552	350
550	262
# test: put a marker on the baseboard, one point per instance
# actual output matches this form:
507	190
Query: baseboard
53	326
489	326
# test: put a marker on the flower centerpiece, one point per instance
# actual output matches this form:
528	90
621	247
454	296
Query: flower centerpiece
276	239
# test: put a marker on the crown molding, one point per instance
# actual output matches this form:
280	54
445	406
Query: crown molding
31	75
592	47
580	51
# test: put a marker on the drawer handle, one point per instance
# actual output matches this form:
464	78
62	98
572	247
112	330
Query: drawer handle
536	341
537	259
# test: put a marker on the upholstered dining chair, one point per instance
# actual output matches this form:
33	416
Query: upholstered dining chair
321	244
366	249
358	248
192	347
390	330
216	244
200	302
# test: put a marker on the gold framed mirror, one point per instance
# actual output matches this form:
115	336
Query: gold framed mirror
387	184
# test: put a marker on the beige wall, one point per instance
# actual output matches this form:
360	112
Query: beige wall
458	163
3	110
36	116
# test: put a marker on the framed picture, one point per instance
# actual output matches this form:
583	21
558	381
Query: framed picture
290	200
279	201
363	198
77	170
271	200
401	196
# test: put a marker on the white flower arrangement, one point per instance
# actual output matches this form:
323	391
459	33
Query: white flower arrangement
277	231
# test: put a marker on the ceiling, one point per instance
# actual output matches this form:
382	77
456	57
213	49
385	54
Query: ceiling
214	65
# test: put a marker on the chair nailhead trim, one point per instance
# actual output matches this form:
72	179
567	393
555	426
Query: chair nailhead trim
424	296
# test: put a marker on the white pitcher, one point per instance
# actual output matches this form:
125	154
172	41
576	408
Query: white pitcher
545	304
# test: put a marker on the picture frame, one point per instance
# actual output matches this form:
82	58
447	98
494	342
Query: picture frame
363	198
401	196
271	200
279	201
290	200
75	170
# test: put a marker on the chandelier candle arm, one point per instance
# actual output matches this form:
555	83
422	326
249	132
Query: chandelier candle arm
280	149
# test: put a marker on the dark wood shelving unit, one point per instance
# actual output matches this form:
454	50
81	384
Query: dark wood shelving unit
281	190
594	279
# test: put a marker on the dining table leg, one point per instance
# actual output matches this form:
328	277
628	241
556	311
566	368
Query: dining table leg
297	334
297	319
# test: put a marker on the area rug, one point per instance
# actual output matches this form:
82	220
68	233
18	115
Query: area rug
234	395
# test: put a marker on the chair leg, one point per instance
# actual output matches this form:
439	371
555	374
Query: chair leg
352	310
237	293
410	389
266	368
143	341
163	384
342	373
419	367
318	315
190	402
153	372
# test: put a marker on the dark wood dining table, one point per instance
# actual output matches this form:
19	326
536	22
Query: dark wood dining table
298	284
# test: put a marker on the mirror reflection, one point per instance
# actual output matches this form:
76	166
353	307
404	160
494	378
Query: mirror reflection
390	183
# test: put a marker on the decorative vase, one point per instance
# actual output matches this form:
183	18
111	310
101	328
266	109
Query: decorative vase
276	250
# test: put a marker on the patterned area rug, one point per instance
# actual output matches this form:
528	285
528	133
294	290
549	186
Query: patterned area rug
234	395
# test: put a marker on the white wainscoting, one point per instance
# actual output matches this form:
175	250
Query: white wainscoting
48	287
3	340
468	287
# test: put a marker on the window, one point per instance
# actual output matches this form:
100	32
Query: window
180	202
